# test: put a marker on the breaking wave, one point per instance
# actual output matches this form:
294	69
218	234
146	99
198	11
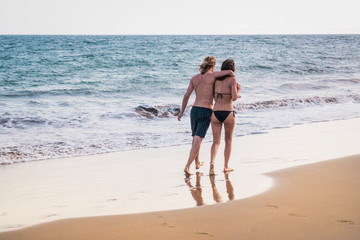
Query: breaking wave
302	86
166	111
297	102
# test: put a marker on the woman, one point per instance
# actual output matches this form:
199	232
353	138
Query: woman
225	92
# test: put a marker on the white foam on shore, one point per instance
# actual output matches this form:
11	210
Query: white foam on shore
152	179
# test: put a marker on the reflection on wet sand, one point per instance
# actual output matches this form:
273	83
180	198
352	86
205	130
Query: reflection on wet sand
196	192
229	187
216	194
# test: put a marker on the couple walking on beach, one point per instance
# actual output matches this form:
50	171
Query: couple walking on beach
209	86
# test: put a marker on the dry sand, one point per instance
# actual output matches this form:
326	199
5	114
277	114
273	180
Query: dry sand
314	201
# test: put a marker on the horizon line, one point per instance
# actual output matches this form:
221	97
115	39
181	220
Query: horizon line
176	34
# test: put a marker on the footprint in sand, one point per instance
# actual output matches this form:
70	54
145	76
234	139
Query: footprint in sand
170	194
346	221
12	226
51	215
296	215
271	206
167	225
204	233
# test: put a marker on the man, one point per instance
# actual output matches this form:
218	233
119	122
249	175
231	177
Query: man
201	111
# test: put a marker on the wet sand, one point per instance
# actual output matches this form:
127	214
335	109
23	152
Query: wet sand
314	201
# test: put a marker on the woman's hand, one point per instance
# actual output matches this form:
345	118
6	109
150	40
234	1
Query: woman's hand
238	89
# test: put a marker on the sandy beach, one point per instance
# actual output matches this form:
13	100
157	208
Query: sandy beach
316	201
285	186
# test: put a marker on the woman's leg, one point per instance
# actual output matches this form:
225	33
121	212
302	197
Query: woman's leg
216	130
229	125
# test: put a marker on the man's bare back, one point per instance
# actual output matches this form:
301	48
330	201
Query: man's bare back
203	85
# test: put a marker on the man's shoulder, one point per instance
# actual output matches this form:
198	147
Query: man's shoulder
197	76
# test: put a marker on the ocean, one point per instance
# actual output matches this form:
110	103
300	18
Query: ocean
63	96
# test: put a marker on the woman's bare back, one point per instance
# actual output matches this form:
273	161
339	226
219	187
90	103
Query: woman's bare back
223	94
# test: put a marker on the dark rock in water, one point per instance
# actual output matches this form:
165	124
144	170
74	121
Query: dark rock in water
157	111
148	112
177	111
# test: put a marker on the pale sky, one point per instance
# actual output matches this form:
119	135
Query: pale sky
179	17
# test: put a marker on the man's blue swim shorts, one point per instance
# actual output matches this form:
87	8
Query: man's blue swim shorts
200	120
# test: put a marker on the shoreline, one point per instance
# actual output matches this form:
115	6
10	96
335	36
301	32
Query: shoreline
148	180
318	200
205	142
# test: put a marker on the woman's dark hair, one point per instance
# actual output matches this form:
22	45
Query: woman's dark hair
228	64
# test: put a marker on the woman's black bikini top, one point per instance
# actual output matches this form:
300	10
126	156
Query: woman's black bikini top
221	95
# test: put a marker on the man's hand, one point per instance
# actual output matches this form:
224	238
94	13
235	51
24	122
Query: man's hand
180	116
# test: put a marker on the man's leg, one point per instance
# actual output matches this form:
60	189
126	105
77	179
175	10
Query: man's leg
198	164
193	152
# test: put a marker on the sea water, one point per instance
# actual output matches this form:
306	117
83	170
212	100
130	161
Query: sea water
63	96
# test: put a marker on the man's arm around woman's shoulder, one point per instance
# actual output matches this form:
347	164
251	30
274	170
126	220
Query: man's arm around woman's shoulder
224	73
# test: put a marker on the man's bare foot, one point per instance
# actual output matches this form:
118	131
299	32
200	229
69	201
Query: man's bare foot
187	171
226	170
198	164
212	171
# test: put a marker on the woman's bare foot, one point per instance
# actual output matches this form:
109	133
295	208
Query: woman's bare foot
226	170
212	171
187	171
